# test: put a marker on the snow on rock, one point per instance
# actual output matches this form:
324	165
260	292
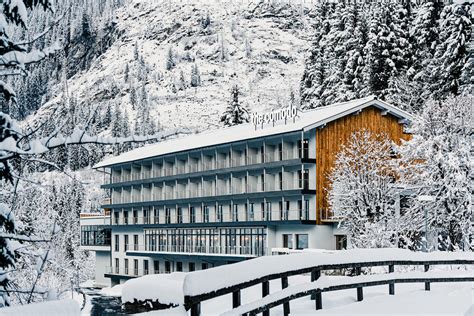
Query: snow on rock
167	288
52	308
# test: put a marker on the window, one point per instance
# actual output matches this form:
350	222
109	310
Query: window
262	154
126	266
341	242
135	242
220	214
303	179
125	217
167	267
268	216
116	243
167	215
284	207
205	214
262	182
135	216
135	266
280	151
301	241
125	242
145	266
145	216
288	241
116	218
156	216
204	266
180	215
250	212
117	265
235	213
179	266
192	266
262	208
156	266
280	180
303	148
192	214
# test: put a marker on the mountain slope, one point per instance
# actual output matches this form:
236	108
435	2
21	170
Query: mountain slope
258	46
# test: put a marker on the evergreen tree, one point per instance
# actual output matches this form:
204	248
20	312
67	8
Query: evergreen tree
126	73
195	76
170	60
451	56
133	96
182	82
135	51
235	113
315	72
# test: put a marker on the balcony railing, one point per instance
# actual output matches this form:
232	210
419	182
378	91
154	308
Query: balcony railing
258	215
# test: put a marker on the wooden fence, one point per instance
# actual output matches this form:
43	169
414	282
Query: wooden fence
193	303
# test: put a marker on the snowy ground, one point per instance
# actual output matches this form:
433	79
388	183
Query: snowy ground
409	299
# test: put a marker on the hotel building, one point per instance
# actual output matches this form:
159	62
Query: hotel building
231	194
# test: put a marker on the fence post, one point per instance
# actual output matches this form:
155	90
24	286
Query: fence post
286	306
319	301
265	292
360	293
315	274
427	284
196	309
391	286
236	299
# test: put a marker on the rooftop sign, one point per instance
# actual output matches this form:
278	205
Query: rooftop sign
290	112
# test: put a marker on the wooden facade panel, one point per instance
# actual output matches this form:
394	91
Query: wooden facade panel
335	134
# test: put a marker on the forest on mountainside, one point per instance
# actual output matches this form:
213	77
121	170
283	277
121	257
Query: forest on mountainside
401	52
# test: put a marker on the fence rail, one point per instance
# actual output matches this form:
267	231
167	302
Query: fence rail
193	303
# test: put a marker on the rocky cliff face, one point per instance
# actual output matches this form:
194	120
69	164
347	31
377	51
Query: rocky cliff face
148	67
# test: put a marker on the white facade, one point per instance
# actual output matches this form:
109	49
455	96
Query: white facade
219	197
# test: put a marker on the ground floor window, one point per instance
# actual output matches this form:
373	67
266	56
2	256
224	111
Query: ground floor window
288	241
117	265
145	266
179	266
126	266
341	242
204	266
301	241
135	266
192	266
167	267
156	266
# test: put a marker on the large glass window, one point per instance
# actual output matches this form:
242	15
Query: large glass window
179	266
95	235
250	241
156	266
301	241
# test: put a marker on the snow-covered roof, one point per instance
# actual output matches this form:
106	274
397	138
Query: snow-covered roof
305	121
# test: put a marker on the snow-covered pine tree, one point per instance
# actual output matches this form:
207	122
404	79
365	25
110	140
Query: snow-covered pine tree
182	82
362	194
439	162
170	59
126	73
195	76
451	64
377	64
315	71
235	113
